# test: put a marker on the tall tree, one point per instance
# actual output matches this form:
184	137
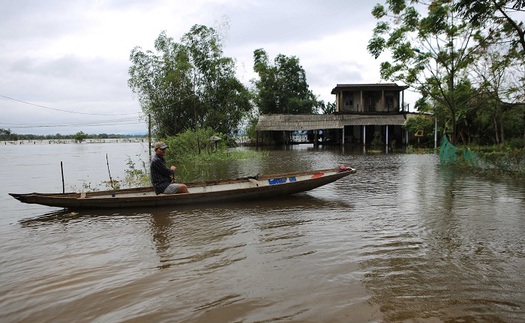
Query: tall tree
430	53
282	87
500	74
188	85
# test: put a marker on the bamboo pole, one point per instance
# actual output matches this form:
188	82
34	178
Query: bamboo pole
109	172
63	182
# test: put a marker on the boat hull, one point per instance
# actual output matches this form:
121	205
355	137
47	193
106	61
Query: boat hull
241	189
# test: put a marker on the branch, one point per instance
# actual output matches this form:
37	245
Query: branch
518	29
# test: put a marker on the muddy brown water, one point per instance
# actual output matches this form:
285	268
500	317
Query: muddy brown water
404	239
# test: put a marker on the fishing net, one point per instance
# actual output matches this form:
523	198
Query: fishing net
448	153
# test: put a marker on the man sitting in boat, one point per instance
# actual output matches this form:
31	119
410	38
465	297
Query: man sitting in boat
161	175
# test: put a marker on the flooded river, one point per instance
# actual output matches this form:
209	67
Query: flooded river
403	240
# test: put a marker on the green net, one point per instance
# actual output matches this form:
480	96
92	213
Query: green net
448	153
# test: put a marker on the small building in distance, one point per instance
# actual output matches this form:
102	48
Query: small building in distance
364	114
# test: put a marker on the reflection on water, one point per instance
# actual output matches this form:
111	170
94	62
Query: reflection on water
404	239
454	253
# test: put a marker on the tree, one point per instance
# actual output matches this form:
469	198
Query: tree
498	15
430	53
80	136
327	108
282	87
188	85
500	74
7	134
422	126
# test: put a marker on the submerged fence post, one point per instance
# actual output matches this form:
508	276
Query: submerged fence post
63	183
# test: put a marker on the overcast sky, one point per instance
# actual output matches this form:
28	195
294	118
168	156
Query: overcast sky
64	64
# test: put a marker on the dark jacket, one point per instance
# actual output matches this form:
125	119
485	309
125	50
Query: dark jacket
160	174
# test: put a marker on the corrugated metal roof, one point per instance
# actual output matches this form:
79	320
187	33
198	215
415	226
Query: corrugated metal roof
293	122
371	86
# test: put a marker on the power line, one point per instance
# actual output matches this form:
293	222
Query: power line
117	122
66	111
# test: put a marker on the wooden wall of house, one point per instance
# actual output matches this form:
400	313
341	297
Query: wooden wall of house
351	102
368	101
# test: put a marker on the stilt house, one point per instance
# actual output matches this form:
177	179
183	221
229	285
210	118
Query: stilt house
364	114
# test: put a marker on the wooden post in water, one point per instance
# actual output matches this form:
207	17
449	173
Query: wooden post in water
109	173
63	183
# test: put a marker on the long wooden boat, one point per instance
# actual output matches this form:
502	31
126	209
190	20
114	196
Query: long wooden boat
240	189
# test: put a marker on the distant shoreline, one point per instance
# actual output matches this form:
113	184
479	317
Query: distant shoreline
72	141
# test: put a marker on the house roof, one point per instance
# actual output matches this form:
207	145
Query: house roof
293	122
372	86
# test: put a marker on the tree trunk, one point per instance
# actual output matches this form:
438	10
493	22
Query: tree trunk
496	130
501	127
454	132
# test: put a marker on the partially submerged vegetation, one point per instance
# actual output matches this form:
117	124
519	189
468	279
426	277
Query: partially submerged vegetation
489	159
506	157
197	153
506	160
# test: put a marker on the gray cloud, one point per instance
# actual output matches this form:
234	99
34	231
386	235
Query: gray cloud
25	22
293	21
67	77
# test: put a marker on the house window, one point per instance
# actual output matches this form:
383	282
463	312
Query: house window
348	102
389	102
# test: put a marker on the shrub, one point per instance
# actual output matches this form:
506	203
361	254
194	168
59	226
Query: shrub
202	154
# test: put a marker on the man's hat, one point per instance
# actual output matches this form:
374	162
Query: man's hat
160	145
